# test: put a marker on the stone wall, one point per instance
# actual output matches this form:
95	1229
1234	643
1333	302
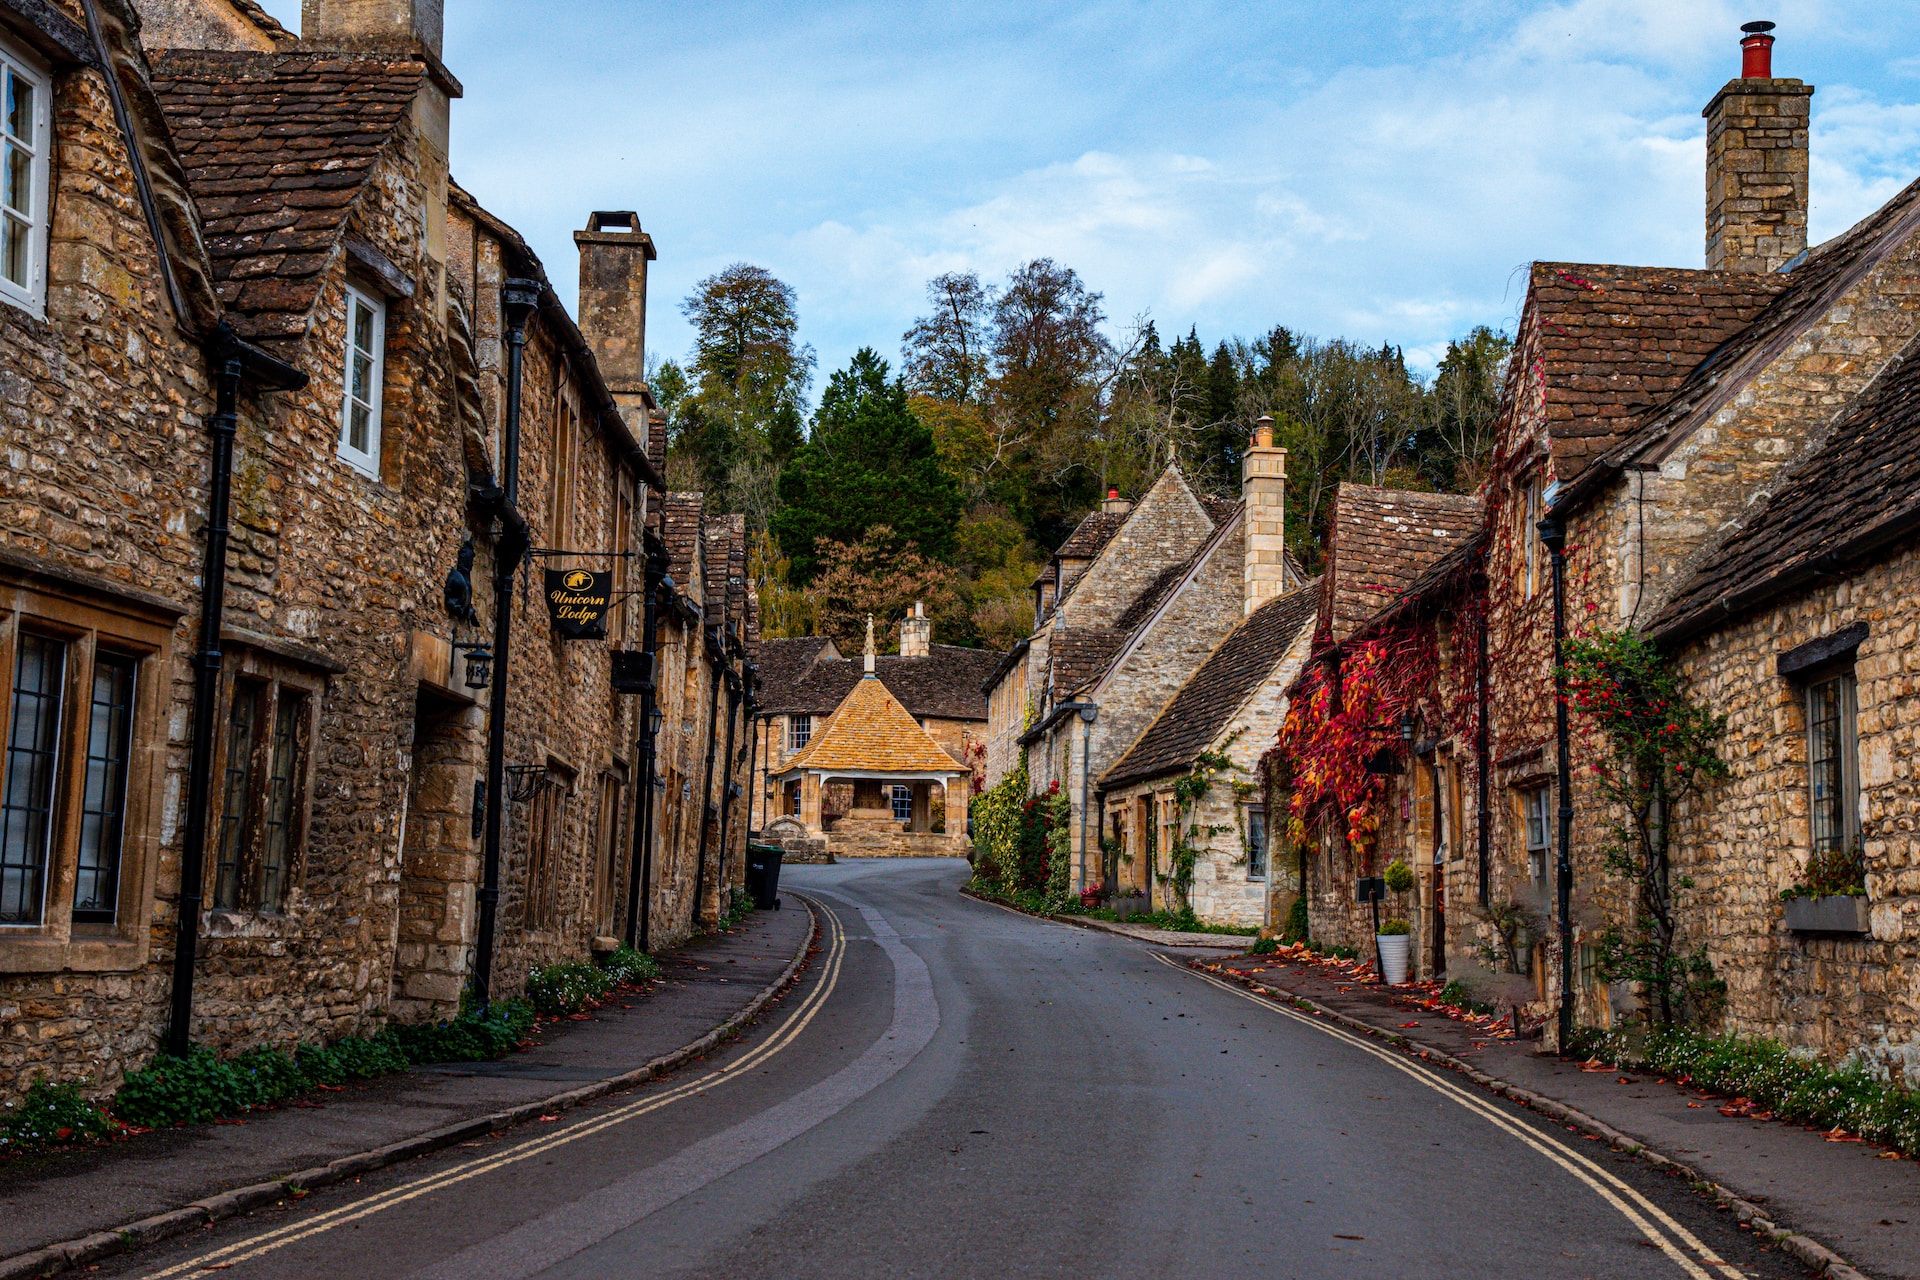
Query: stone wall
1747	839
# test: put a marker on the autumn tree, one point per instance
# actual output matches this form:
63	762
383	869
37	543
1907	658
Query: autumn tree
874	575
946	352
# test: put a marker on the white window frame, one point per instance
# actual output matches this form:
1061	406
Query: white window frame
367	462
14	60
1539	844
799	730
1258	851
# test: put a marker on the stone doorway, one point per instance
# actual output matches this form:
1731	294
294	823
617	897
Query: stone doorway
440	860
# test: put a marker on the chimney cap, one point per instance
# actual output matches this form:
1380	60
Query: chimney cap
1756	28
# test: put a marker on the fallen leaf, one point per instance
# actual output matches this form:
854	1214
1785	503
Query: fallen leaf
548	1119
1837	1134
1627	1080
1409	1024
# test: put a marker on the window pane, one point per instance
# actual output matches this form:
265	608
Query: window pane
1823	765
1257	841
19	180
15	237
19	108
362	338
902	803
238	779
102	814
26	809
359	433
282	779
363	379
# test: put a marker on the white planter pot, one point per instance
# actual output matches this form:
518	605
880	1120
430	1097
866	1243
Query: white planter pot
1393	956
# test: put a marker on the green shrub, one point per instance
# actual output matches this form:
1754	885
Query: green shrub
629	967
1399	876
1460	996
1794	1087
51	1113
469	1037
560	989
740	905
189	1090
1264	946
1395	929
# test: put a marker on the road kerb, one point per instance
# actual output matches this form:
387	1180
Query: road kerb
65	1255
1826	1263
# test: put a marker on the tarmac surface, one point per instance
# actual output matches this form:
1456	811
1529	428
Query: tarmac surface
956	1090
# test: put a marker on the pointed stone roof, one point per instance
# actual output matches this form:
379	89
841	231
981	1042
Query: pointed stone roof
871	732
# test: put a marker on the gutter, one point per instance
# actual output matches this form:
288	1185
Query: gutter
1054	717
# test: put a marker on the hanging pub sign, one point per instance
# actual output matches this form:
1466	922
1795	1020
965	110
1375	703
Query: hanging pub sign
577	602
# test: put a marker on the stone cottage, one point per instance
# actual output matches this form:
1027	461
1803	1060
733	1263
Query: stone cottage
805	680
250	302
1131	606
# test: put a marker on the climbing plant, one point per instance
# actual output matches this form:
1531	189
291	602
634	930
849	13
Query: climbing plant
1188	791
1660	748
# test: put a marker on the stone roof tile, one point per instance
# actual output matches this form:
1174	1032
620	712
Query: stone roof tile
871	731
1383	540
276	147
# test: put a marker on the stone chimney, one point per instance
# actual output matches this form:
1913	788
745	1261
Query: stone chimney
1115	505
1757	163
916	633
409	29
1263	490
385	25
614	253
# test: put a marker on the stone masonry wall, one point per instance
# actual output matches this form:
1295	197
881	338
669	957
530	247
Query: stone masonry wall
1748	839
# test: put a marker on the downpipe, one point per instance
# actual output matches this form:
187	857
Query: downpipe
1554	534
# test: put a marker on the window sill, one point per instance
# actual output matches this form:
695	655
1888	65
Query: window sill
36	953
224	922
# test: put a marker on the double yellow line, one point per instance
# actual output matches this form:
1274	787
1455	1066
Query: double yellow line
279	1238
1636	1208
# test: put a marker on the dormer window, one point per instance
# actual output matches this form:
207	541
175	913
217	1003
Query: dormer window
25	128
363	372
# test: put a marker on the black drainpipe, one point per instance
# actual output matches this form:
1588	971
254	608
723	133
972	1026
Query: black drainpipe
232	361
1554	534
728	791
706	786
1482	749
640	865
518	300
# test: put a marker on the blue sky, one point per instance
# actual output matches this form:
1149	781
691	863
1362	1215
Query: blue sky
1374	170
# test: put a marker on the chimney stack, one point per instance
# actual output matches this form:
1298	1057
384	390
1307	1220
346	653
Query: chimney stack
1115	505
916	633
614	253
1757	163
1263	522
382	25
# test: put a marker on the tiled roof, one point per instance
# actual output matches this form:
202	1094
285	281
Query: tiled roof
1219	510
872	731
1091	534
945	685
263	21
276	148
1800	298
1206	702
1079	654
1383	540
1848	499
1615	341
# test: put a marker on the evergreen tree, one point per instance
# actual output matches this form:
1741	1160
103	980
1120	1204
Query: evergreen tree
868	462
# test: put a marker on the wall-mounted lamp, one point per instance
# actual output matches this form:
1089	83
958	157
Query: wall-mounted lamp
479	662
655	718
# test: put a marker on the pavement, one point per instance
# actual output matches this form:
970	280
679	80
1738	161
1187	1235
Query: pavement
953	1090
1847	1195
66	1196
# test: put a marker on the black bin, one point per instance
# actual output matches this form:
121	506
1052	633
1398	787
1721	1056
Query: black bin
763	875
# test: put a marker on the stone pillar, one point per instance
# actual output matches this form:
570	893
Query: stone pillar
1757	165
1263	489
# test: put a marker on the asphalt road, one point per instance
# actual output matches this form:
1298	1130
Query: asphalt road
959	1091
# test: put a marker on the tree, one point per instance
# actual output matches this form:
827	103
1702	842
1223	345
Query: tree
785	612
739	419
946	351
1463	403
873	575
868	462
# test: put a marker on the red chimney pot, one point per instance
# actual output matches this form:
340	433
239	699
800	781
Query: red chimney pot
1112	492
1756	51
